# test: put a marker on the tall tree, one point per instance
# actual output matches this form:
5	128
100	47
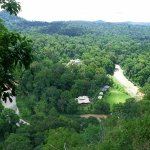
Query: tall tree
11	6
14	48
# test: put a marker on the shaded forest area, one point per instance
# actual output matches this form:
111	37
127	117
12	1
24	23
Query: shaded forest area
46	92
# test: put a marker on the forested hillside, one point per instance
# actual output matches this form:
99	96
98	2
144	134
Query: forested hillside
46	92
128	43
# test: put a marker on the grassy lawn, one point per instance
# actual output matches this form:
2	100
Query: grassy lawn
116	94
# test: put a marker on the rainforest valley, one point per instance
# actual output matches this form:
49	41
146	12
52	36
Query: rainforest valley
47	90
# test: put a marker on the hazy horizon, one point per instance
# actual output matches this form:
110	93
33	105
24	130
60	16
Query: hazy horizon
86	10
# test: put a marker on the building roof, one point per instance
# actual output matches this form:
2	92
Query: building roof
101	93
83	100
75	61
100	97
105	88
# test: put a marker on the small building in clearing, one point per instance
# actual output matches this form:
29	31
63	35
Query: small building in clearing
83	100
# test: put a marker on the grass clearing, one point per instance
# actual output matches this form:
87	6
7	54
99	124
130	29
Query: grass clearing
116	94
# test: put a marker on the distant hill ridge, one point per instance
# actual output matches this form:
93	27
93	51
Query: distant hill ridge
73	28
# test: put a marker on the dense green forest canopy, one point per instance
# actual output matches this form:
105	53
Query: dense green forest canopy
47	91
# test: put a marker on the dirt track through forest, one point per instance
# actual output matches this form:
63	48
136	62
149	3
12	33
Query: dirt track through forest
98	116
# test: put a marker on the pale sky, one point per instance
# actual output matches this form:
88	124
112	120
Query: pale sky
91	10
